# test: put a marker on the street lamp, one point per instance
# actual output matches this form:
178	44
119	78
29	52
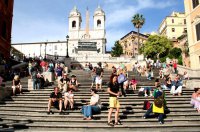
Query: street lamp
45	50
67	37
40	49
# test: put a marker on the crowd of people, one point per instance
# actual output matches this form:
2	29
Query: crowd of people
117	86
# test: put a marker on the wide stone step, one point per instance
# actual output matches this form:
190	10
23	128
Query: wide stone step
125	111
128	125
27	114
104	120
83	101
38	103
79	105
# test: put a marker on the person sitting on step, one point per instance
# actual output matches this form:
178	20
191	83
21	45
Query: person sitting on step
16	85
158	105
133	83
55	100
73	83
195	100
64	83
69	99
93	107
176	86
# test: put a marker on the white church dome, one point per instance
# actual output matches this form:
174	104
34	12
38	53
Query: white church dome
75	12
99	11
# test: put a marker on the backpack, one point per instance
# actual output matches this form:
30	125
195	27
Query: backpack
159	101
146	105
121	78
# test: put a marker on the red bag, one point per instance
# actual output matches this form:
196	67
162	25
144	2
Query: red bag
146	105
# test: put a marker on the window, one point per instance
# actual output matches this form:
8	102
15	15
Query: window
185	30
172	20
98	23
173	29
55	47
184	21
74	24
198	31
4	32
195	3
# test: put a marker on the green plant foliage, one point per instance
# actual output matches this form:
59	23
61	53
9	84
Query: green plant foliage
180	62
157	46
175	52
117	50
138	21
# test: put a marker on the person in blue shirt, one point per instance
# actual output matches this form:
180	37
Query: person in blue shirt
176	86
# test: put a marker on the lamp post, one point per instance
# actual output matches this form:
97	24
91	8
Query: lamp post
45	50
67	55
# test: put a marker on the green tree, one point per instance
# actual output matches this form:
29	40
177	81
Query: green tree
157	46
138	21
117	50
175	53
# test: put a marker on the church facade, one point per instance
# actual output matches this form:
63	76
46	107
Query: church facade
81	41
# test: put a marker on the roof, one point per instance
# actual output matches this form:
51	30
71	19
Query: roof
133	32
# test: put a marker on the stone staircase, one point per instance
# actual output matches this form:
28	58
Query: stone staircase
27	112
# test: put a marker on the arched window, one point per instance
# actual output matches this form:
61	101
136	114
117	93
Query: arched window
98	23
73	24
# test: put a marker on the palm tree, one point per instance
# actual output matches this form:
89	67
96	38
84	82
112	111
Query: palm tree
138	21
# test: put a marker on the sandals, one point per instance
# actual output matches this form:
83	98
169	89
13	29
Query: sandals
50	112
118	123
110	124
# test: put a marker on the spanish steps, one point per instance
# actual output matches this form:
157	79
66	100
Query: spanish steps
27	112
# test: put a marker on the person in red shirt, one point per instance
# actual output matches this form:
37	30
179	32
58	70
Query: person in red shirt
43	65
175	67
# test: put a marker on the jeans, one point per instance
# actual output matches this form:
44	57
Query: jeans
160	115
89	110
35	84
122	89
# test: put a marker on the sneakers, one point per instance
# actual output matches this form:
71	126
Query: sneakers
151	95
161	122
146	95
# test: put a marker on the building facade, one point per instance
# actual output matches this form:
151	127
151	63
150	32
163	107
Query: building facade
83	40
80	42
192	11
173	26
130	45
6	14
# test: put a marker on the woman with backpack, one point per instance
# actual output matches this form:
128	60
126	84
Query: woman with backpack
158	106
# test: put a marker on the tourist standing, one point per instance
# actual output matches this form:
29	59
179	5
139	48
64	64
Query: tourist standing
113	90
99	75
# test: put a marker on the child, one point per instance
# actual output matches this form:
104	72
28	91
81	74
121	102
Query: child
133	83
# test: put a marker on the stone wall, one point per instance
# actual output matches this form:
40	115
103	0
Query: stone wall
191	72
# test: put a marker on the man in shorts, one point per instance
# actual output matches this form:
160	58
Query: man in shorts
55	100
99	75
